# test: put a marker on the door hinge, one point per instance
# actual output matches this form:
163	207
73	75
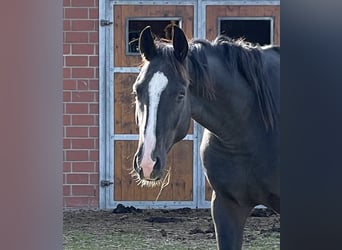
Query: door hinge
105	22
106	183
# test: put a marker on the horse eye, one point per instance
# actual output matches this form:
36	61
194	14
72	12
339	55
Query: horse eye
180	96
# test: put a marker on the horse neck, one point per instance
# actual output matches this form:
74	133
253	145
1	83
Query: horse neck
222	114
228	114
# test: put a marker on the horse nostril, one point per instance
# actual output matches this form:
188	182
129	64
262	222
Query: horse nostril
156	173
137	166
157	166
140	172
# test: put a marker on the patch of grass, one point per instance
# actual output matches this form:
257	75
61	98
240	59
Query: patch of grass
90	230
79	239
266	241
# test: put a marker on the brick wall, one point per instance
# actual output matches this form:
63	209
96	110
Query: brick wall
80	103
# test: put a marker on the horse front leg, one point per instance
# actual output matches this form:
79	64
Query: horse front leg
229	220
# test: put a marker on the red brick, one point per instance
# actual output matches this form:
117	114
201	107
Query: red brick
83	96
87	49
76	108
83	3
66	120
82	73
66	49
76	202
66	143
83	120
82	84
77	178
76	13
83	143
66	73
93	178
66	3
77	155
85	190
69	84
76	37
76	61
94	84
96	28
66	190
93	202
83	167
66	96
83	25
66	167
94	61
66	25
94	155
76	132
94	132
94	36
97	97
93	108
93	13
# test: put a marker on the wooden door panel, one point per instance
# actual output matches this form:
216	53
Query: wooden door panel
124	121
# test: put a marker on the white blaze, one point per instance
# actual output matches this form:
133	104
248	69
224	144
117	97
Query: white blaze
155	88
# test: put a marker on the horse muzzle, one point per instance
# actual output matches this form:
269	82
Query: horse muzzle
149	170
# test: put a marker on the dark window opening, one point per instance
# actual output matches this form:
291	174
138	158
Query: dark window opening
159	28
254	31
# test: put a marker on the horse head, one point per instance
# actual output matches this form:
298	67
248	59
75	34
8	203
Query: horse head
162	103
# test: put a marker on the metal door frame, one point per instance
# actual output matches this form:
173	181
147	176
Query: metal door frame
106	95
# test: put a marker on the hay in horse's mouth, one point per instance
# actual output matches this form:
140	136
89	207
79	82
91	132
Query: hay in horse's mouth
163	181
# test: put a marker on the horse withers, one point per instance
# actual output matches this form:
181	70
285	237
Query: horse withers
231	88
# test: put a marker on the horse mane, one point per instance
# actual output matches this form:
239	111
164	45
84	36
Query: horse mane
200	80
237	55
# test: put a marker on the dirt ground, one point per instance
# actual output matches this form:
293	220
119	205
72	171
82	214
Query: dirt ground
130	228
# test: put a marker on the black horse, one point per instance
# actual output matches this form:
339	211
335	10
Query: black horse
232	89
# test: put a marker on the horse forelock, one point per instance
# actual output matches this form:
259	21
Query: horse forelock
165	55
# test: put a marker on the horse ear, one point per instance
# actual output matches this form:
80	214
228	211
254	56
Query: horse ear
180	44
147	47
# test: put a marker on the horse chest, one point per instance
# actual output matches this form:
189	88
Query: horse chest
235	171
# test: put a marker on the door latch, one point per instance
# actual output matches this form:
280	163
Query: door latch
106	183
105	22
